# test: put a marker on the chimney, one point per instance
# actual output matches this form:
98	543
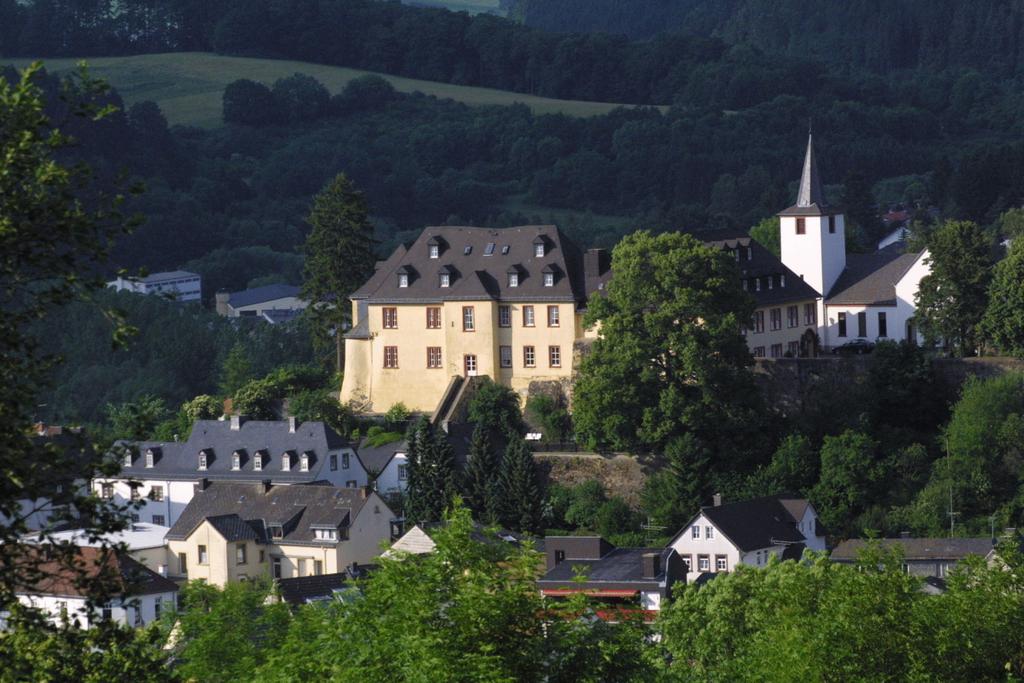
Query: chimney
716	499
595	262
222	298
266	485
236	422
292	424
651	564
204	483
364	492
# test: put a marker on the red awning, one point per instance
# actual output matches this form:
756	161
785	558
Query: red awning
595	592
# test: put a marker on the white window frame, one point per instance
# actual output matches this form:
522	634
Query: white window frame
549	279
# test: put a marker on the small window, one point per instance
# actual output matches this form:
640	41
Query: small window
758	352
801	226
528	319
403	279
513	279
776	317
721	564
434	250
883	330
862	324
504	250
390	317
842	324
776	350
467	250
793	316
402	472
433	317
446	280
333	462
182	564
810	314
505	353
276	531
757	284
529	357
304	462
136	495
128	459
236	461
832	224
468	319
202	461
204	558
345	462
553	316
159	520
549	279
434	357
489	249
555	356
157	606
156	493
750	253
538	249
318	567
149	458
758	322
391	357
504	316
286	462
240	553
703	563
709	532
771	281
257	462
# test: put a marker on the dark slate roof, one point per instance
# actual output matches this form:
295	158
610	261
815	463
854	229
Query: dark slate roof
376	458
762	264
477	275
179	460
154	278
870	279
620	566
257	295
753	524
300	590
810	198
233	528
298	509
918	548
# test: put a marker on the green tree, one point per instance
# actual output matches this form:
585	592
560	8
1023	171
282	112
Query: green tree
521	502
1003	323
248	102
586	500
670	360
322	405
56	228
339	259
236	371
138	419
766	233
849	482
793	469
952	298
480	480
495	407
550	413
430	486
1011	223
300	98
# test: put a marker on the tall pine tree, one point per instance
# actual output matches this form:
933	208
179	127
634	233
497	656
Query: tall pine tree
339	259
520	490
430	485
480	480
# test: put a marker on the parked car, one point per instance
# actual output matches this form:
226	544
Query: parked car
854	347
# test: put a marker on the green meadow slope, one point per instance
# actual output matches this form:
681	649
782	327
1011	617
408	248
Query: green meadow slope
188	85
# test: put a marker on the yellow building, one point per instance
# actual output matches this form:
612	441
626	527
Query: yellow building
232	532
462	302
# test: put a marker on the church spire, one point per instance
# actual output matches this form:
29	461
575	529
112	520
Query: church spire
810	193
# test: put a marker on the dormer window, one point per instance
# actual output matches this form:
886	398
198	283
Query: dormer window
149	457
403	279
513	279
202	460
304	462
538	249
445	280
326	534
549	279
128	459
257	462
435	251
276	530
467	250
236	461
434	246
286	462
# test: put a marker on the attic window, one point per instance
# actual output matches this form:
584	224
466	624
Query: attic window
445	280
149	457
202	460
489	249
435	251
513	279
304	462
286	461
549	278
327	534
468	250
538	249
257	462
128	459
276	530
403	279
236	461
504	250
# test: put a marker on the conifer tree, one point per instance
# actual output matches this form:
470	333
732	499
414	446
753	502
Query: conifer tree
431	474
520	490
480	481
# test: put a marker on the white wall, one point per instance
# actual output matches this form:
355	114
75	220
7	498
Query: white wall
388	480
369	534
122	613
343	476
906	293
818	255
686	545
808	526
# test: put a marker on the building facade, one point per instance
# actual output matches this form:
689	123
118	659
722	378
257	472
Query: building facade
162	476
179	285
234	532
273	303
462	302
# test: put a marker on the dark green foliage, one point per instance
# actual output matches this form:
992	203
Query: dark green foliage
430	487
550	413
300	98
377	436
237	268
1004	318
248	102
480	482
793	469
495	408
953	296
322	405
521	504
138	420
851	476
766	232
236	371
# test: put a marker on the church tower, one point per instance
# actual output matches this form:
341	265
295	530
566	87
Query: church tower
813	235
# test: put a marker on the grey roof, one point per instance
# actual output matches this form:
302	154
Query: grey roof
376	458
257	295
179	460
233	528
155	278
479	261
762	264
297	509
300	590
870	279
619	566
918	548
754	524
810	199
275	316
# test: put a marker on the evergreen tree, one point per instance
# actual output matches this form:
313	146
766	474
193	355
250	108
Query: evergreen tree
1004	318
520	490
430	485
339	258
237	370
480	481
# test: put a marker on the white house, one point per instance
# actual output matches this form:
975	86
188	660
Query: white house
142	595
273	303
179	285
859	295
722	536
163	476
386	466
144	542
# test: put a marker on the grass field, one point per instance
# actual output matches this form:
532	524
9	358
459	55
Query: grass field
188	85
